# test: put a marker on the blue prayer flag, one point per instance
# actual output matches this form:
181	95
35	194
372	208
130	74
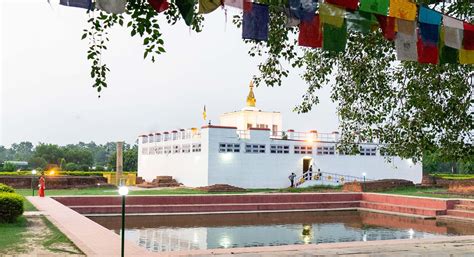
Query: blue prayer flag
86	4
429	16
304	10
429	33
255	23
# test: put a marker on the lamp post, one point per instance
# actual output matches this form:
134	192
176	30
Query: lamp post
33	173
364	174
123	191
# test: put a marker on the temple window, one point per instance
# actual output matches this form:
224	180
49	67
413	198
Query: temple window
176	149
144	140
167	149
186	148
150	139
280	149
196	147
229	148
159	150
368	151
300	149
158	137
254	148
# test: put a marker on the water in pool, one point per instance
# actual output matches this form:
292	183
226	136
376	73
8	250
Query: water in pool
192	232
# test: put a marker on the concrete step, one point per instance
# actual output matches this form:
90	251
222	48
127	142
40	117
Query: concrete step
467	202
463	207
455	218
460	213
402	209
186	208
419	202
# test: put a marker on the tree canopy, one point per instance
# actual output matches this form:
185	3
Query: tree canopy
412	108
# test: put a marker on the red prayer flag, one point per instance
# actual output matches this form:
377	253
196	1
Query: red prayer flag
349	4
159	5
427	53
310	33
387	24
468	39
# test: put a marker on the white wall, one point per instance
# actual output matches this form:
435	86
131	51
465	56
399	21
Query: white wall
240	119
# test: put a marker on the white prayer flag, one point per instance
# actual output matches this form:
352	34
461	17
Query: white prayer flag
453	32
406	47
111	6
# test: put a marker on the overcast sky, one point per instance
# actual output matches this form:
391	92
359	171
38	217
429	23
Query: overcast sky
46	93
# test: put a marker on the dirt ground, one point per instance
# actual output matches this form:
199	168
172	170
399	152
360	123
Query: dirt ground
36	236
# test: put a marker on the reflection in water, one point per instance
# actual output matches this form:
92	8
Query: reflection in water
181	232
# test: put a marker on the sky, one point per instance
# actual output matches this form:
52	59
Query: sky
46	92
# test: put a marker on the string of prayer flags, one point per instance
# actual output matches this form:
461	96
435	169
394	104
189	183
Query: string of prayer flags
334	38
303	9
290	20
406	48
207	6
448	55
427	53
468	38
331	14
348	4
186	9
387	24
310	33
406	27
235	3
255	22
111	6
375	6
429	33
402	9
159	5
361	21
466	56
453	32
86	4
429	16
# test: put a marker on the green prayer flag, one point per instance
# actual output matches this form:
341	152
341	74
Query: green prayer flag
186	9
448	55
334	38
207	6
361	21
375	6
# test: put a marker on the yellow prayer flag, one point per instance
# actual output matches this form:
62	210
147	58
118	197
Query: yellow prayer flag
204	113
331	14
402	9
466	56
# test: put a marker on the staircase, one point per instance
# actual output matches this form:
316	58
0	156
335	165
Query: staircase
326	178
464	209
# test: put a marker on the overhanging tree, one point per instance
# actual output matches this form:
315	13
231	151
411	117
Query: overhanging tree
410	107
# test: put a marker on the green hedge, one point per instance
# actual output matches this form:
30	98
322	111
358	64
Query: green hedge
6	189
11	207
69	173
454	176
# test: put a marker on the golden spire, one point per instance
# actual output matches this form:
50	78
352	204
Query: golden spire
251	101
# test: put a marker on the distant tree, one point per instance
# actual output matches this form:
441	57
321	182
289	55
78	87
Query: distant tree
37	163
83	167
51	153
99	168
80	156
5	154
22	151
130	159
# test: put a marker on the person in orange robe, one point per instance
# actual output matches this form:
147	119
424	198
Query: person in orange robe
41	186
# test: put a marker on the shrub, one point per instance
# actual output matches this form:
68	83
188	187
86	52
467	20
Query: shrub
99	168
6	189
11	207
70	166
7	166
83	167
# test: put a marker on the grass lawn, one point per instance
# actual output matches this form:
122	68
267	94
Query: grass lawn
11	235
426	192
56	239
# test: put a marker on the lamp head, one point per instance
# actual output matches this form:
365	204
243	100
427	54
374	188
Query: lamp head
33	172
364	174
123	190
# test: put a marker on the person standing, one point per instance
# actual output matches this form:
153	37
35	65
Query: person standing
292	179
310	173
41	186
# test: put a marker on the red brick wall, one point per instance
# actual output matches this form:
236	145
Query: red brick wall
54	182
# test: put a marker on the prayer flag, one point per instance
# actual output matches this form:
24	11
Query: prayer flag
207	6
349	4
466	56
331	14
453	32
186	9
402	9
374	6
429	33
111	6
387	24
429	16
360	21
310	33
448	55
204	113
427	53
303	9
159	5
255	22
468	38
86	4
334	38
407	27
406	47
235	3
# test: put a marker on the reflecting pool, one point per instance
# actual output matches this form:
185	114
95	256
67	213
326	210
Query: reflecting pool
193	232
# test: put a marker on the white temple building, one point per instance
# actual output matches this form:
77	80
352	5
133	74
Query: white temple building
250	149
